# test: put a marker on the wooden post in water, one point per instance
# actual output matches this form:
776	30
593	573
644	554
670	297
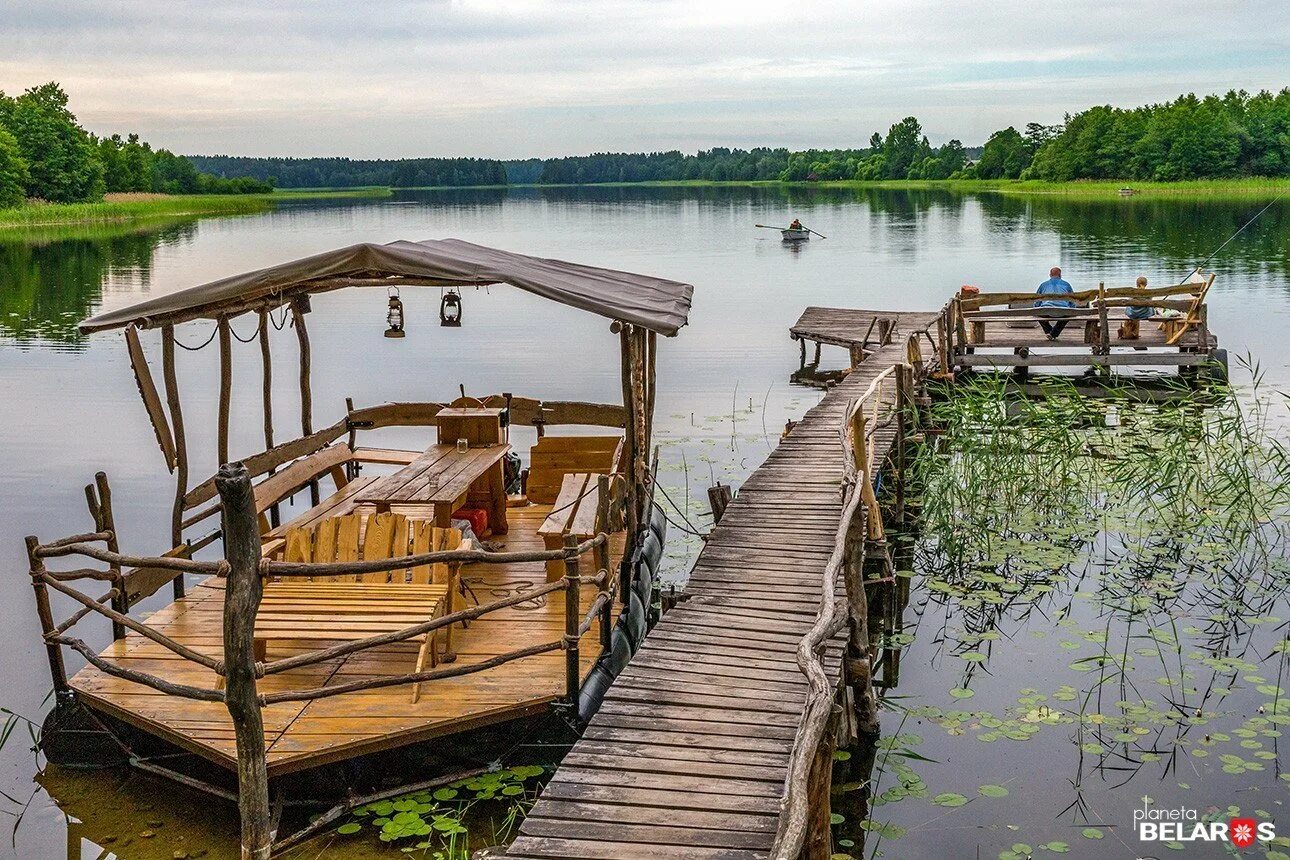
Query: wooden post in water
181	447
819	790
299	307
225	386
572	620
242	592
57	669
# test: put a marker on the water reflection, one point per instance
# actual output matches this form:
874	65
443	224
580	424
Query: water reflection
47	286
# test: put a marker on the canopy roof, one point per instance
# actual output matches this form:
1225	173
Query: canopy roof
657	304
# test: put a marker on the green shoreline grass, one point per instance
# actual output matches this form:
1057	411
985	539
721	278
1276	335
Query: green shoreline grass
35	216
1103	189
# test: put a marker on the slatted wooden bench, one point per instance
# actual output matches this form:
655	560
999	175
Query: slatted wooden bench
358	606
574	513
554	457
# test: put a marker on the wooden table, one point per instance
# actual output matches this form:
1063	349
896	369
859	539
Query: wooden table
443	477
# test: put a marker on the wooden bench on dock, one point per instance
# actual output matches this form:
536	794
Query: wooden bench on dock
574	514
358	606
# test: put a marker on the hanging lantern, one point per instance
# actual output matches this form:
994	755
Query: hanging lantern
394	315
450	309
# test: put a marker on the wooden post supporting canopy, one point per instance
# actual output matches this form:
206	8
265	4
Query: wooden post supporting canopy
300	307
630	442
242	592
572	620
181	446
225	387
266	396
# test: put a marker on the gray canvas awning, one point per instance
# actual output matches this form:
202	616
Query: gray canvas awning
657	304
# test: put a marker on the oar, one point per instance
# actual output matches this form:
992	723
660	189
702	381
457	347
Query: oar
769	227
821	235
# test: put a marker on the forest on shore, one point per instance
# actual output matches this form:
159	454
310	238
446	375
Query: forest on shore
1236	135
46	156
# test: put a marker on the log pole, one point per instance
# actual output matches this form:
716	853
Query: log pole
572	621
631	442
266	396
57	669
603	559
101	510
225	386
181	446
242	592
299	307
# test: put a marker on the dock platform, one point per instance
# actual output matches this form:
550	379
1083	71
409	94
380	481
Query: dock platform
688	756
302	735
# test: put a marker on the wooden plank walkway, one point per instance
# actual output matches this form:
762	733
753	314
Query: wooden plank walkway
688	755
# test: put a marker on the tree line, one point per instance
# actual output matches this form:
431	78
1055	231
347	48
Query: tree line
357	173
45	154
1214	137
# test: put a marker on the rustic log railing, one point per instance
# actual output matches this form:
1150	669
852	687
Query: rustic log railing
245	571
804	805
959	329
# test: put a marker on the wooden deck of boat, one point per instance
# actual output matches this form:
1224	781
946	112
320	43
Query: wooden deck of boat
300	735
688	755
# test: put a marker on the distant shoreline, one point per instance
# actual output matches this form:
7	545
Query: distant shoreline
147	208
127	209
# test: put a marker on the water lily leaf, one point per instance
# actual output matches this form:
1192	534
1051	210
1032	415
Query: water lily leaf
348	828
993	791
949	799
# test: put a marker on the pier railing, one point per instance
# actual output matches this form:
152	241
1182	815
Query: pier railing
245	570
959	327
804	806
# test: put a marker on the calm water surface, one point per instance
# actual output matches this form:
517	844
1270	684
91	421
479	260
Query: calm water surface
72	407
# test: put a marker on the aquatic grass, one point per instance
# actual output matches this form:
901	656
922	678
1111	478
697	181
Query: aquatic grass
1138	541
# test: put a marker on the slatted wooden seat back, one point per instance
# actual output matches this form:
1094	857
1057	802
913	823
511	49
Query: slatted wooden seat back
426	537
344	538
553	457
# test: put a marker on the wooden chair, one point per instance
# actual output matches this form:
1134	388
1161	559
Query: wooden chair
554	457
352	606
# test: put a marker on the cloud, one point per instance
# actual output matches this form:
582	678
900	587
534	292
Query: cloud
488	77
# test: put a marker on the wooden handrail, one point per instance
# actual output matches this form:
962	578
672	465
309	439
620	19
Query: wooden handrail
985	299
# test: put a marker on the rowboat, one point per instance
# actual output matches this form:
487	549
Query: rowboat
791	234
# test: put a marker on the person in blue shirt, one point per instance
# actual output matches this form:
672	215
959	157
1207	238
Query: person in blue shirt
1054	286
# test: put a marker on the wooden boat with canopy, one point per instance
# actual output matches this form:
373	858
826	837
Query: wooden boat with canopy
423	593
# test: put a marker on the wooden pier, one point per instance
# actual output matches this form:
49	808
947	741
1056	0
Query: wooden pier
689	754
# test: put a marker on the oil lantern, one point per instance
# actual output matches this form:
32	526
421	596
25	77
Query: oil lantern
394	315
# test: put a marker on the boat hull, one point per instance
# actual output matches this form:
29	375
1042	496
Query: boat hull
795	235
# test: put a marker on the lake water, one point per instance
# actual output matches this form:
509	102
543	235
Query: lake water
72	407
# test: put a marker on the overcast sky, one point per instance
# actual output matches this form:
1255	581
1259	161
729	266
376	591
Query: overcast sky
398	78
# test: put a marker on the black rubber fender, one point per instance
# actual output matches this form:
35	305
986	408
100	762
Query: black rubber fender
643	585
652	551
658	523
620	651
634	620
593	692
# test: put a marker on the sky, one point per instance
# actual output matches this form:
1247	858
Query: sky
404	78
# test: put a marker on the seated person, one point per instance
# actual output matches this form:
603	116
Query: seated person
1054	286
1130	329
1140	313
796	225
